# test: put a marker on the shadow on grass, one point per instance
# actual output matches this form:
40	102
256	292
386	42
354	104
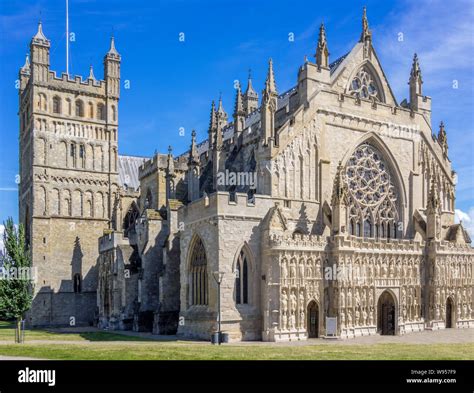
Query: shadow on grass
106	336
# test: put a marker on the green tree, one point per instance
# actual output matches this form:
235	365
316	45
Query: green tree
16	285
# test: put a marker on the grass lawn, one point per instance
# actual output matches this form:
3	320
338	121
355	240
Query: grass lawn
111	346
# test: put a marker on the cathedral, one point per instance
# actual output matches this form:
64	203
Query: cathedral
323	211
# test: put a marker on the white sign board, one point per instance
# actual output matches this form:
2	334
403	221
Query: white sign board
331	326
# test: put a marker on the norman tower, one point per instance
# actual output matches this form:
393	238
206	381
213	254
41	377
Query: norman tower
69	179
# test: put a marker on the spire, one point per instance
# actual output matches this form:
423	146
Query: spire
239	112
212	122
415	73
170	161
415	83
221	115
268	108
193	155
322	53
250	97
39	37
270	86
366	33
250	90
220	109
91	73
112	50
442	138
239	106
25	70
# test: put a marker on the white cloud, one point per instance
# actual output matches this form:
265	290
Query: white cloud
467	220
441	34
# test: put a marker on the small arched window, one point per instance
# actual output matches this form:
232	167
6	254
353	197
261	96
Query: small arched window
114	113
56	104
91	110
241	279
77	283
72	154
82	155
79	108
100	112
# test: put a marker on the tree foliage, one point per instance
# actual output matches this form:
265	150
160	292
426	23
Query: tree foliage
16	275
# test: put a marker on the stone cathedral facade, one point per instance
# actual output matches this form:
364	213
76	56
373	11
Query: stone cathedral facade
328	208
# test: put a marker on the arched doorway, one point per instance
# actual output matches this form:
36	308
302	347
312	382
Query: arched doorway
313	320
386	314
449	313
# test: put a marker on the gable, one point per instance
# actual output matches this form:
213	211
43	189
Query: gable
363	68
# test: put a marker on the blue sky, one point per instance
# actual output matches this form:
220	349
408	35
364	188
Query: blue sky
172	83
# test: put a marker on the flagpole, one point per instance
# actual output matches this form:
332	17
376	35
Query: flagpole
67	37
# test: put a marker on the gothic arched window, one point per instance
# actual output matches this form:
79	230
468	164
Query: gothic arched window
68	106
100	112
199	293
241	279
365	86
373	198
130	219
56	104
79	108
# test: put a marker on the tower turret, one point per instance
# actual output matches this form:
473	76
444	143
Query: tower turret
250	97
239	113
170	176
443	139
112	71
418	102
221	115
311	75
25	73
322	52
269	107
193	171
212	125
39	48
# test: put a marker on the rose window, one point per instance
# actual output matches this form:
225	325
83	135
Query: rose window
372	196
